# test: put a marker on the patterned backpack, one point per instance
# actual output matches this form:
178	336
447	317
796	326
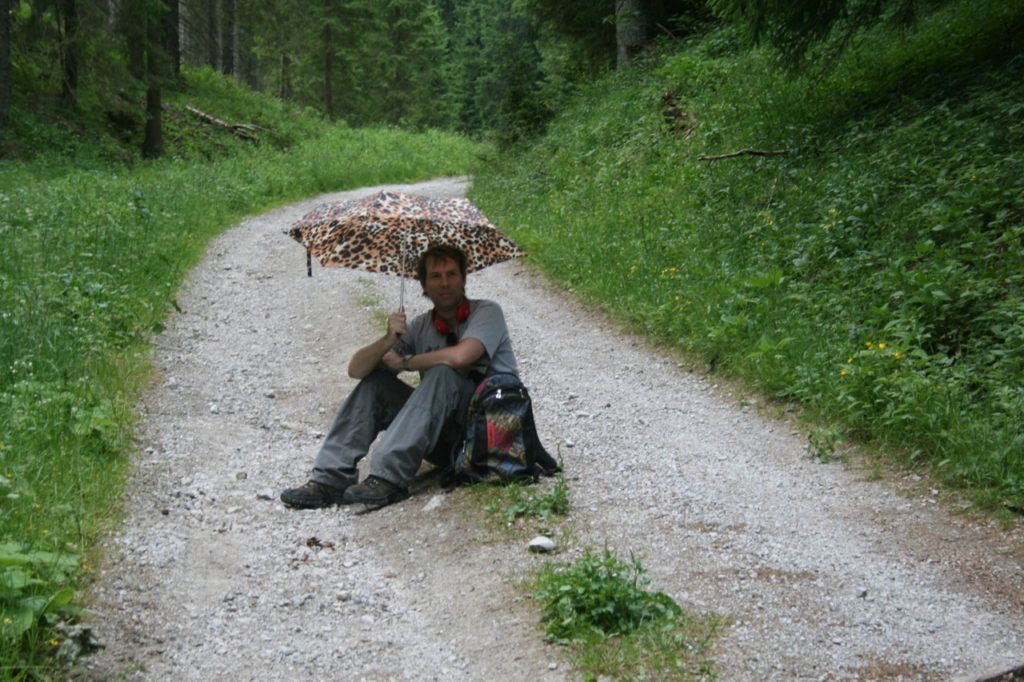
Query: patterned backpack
501	443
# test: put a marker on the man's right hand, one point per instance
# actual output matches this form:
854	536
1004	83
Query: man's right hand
396	325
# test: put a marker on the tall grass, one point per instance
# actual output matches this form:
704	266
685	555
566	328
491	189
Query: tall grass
89	265
872	272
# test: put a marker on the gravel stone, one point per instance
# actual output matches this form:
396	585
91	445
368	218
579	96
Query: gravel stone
822	571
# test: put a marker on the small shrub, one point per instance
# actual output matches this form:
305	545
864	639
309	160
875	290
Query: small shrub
599	595
33	590
616	628
530	502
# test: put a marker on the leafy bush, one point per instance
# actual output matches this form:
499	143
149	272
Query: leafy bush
598	595
615	628
32	587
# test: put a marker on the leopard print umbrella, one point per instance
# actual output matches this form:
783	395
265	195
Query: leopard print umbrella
386	232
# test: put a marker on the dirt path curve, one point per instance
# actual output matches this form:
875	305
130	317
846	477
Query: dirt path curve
823	573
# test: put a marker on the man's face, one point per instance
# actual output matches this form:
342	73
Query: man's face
444	285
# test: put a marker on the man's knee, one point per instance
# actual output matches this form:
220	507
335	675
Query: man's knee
377	382
441	374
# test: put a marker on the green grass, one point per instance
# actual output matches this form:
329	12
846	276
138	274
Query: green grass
525	508
872	273
599	606
91	256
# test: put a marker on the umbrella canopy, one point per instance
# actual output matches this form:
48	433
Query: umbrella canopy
386	232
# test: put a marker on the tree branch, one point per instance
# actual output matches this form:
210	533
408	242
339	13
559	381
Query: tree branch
246	131
745	152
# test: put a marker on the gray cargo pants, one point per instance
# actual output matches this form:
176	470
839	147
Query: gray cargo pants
417	421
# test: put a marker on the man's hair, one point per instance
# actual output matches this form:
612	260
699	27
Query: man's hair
440	252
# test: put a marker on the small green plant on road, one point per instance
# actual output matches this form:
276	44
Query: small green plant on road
519	506
600	607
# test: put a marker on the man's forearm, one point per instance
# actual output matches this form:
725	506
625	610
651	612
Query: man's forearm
367	358
460	357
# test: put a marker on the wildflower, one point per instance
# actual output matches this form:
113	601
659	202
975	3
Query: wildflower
881	346
7	620
54	642
898	355
869	345
844	372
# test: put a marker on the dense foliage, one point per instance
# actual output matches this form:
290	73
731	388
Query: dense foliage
871	270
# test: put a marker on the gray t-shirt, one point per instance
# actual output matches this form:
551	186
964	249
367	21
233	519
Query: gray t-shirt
486	324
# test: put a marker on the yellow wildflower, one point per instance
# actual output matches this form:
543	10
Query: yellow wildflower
869	345
881	346
844	372
898	355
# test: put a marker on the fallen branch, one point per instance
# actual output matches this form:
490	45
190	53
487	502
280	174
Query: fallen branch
746	152
246	131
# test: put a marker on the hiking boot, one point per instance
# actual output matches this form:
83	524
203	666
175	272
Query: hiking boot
375	492
312	495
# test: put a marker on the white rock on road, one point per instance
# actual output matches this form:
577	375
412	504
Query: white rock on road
822	572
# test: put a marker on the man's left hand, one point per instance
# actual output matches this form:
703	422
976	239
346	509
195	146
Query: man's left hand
393	361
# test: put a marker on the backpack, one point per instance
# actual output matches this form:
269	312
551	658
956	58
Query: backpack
501	443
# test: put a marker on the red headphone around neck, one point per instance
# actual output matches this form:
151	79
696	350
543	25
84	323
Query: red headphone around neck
461	315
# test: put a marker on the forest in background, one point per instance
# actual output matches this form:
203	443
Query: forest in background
492	67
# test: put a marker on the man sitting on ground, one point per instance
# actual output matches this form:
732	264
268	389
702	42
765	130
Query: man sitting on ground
453	347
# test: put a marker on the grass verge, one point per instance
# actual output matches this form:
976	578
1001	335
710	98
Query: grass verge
870	271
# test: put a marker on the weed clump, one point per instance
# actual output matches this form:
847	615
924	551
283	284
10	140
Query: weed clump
600	606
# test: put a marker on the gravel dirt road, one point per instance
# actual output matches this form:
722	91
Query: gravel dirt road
823	571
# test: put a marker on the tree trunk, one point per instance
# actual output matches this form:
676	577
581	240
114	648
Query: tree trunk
227	36
236	61
5	63
213	32
153	143
156	73
184	34
69	51
630	30
328	74
285	88
132	23
172	38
